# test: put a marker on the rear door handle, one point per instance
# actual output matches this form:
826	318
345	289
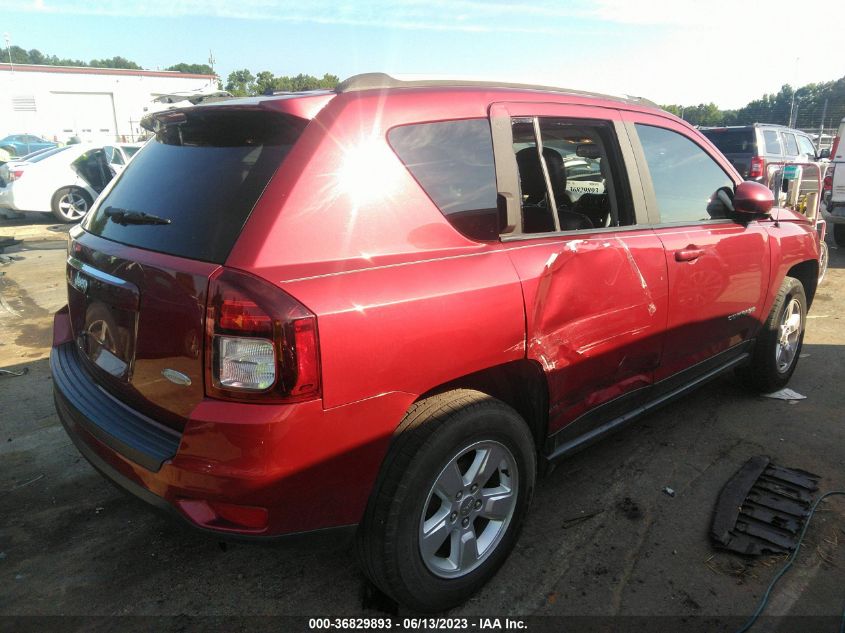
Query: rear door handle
689	254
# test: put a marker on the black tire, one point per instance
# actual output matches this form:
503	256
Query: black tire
433	433
764	373
66	214
839	234
824	261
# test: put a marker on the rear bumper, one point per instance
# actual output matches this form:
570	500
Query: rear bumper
7	198
239	469
834	213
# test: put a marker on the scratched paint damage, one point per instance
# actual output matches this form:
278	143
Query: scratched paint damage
589	287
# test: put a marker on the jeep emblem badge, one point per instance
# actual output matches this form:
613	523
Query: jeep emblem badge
80	283
176	377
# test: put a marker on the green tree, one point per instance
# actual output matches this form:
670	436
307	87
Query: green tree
195	69
114	62
37	57
241	83
265	82
19	55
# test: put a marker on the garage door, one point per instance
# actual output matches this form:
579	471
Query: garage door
88	115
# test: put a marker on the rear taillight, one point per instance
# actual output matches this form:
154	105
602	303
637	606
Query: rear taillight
827	184
15	175
758	167
261	344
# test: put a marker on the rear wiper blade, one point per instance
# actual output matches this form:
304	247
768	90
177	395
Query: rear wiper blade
124	217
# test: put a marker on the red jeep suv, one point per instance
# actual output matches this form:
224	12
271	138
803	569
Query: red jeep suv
392	304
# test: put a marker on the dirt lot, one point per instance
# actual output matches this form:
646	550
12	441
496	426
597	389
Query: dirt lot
603	539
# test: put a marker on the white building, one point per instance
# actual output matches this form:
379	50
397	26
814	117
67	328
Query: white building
58	102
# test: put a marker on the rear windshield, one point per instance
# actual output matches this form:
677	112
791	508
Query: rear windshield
204	170
733	141
42	155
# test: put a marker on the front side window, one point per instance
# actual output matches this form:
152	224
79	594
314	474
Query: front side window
570	175
453	163
685	177
772	141
806	146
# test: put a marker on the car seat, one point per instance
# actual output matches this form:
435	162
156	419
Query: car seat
536	217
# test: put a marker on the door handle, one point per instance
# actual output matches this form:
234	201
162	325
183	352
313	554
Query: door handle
689	254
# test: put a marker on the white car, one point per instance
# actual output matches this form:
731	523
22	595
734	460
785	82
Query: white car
64	180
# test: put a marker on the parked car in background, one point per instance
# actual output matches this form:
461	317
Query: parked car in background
22	144
392	304
751	148
63	180
834	209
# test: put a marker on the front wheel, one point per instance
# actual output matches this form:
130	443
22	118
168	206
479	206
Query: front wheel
779	343
70	204
824	260
450	500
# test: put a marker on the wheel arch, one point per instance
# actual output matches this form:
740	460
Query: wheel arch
807	272
521	384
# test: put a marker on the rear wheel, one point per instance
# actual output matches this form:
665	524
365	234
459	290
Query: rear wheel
70	204
450	500
824	259
839	234
779	343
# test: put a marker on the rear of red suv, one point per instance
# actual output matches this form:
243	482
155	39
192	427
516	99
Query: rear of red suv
174	373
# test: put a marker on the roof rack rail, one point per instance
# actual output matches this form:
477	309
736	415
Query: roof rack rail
383	81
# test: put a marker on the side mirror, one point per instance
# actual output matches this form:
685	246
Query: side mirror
753	198
825	153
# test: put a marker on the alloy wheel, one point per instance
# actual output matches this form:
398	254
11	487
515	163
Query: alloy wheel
73	205
468	509
789	335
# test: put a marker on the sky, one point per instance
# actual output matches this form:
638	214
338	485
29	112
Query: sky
679	52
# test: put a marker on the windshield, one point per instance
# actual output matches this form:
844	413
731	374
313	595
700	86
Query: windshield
737	141
203	171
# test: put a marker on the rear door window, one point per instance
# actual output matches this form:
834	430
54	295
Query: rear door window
772	141
453	163
570	175
203	171
790	143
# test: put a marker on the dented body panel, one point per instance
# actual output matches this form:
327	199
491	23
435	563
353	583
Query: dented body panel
596	312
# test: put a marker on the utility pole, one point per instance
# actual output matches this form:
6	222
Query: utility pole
821	126
9	51
211	60
794	90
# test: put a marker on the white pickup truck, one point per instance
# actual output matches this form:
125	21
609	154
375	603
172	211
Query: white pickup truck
835	212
